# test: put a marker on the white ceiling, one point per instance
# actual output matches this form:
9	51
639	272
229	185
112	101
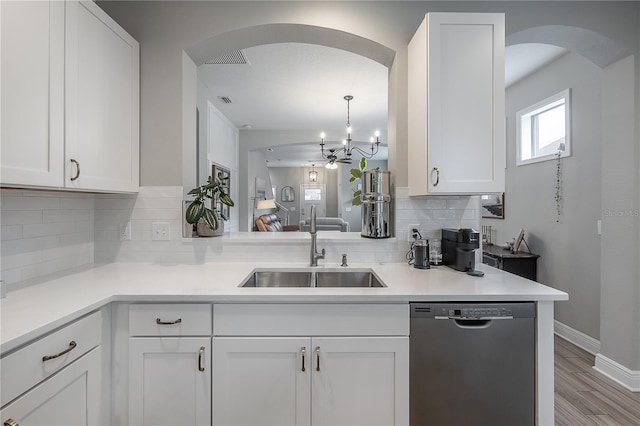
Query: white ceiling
297	86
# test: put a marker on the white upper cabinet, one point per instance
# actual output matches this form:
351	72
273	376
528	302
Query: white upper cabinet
102	96
456	104
32	138
70	98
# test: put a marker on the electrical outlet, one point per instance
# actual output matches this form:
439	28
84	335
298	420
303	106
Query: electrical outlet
125	231
410	232
161	231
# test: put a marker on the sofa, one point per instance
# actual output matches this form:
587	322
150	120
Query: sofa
326	224
271	223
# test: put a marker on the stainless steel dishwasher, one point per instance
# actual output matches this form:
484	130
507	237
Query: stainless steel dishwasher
472	364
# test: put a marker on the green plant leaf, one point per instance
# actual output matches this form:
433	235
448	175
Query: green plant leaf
194	191
363	163
194	211
357	201
355	174
226	200
210	218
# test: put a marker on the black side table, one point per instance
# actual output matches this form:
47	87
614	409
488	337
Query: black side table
523	264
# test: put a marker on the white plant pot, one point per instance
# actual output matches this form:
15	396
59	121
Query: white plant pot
204	230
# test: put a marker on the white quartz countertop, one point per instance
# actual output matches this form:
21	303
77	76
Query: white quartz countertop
45	304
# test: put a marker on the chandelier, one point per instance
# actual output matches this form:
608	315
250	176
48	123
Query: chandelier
343	154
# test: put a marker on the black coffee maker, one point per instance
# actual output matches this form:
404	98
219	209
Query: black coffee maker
459	249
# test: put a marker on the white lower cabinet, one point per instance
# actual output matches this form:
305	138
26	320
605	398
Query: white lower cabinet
310	381
169	358
170	381
260	381
355	378
69	398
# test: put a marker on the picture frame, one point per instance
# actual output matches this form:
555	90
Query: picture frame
225	175
518	241
492	206
288	194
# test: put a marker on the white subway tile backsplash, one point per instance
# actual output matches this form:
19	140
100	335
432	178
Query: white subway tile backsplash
21	217
45	232
10	232
11	202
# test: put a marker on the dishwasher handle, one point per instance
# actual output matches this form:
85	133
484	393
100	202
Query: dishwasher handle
472	323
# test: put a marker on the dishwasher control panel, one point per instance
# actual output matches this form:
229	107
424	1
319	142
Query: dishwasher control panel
474	312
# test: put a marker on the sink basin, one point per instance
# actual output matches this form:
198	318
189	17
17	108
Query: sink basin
347	279
279	279
324	278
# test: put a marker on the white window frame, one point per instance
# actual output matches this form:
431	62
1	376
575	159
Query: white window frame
529	114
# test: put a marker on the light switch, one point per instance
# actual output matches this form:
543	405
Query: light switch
161	231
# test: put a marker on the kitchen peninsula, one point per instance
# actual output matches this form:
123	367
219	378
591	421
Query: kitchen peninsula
124	294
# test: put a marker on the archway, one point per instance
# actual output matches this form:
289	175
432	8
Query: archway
269	34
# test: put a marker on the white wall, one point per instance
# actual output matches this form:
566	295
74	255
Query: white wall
620	289
569	249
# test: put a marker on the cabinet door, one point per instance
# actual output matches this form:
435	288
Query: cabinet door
170	381
69	398
261	381
102	101
456	104
32	38
360	381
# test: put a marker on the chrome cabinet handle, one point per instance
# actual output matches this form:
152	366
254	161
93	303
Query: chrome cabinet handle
10	422
72	346
200	356
77	170
317	358
160	322
435	169
303	351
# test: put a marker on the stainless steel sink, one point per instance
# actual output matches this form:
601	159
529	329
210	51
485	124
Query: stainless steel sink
334	278
279	279
347	279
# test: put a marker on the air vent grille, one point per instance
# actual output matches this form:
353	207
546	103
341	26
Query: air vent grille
225	99
231	58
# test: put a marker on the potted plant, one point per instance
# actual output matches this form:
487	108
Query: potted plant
207	219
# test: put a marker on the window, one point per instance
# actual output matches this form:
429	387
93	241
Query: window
543	129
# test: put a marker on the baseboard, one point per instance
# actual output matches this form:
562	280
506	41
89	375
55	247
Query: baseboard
628	378
576	337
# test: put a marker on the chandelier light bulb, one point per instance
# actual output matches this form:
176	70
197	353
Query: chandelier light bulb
377	133
372	140
349	129
322	135
344	141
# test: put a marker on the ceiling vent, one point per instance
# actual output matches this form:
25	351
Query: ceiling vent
225	99
231	58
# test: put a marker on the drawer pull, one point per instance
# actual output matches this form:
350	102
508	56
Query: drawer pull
72	346
317	358
77	170
10	422
160	322
435	169
303	351
200	353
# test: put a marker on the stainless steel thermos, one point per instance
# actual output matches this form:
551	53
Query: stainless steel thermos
421	254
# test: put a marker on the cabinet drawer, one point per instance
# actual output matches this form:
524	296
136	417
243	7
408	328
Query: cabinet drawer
311	320
169	319
28	366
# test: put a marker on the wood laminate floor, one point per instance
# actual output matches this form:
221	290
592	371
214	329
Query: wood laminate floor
585	397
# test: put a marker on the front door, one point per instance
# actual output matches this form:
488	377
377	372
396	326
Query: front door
313	194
